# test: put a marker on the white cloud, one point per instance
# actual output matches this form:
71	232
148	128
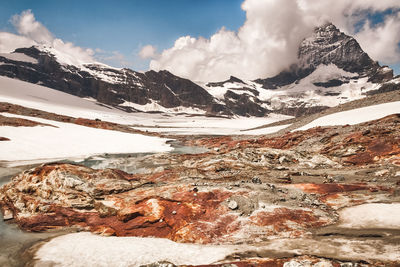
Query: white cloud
382	42
148	51
114	58
268	41
26	25
9	42
31	32
379	41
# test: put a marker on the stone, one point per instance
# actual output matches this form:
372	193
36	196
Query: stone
256	180
381	173
233	205
8	215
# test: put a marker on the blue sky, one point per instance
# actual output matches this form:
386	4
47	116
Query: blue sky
125	26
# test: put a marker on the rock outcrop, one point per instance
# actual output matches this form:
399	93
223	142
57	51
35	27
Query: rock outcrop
246	191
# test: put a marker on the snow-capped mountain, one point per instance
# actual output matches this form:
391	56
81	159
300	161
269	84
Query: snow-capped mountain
332	69
124	88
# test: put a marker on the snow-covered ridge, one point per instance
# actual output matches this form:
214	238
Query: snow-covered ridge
327	85
155	107
19	57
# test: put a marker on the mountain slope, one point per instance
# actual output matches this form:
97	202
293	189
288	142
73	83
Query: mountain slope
332	69
116	87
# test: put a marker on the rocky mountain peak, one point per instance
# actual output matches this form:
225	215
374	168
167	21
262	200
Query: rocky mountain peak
328	45
232	79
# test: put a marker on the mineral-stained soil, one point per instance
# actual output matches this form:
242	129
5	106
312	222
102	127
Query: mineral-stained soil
244	191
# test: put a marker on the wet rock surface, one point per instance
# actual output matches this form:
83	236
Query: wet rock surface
246	191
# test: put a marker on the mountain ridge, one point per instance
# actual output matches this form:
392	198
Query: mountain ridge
332	68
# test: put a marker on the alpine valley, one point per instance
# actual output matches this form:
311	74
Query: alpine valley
104	166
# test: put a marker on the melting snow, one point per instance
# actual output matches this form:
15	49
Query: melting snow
85	249
70	140
374	215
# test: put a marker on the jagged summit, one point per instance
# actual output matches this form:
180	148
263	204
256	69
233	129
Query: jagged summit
328	45
232	79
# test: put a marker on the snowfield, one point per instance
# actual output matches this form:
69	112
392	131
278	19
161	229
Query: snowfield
43	98
374	215
85	249
67	140
355	116
180	125
50	100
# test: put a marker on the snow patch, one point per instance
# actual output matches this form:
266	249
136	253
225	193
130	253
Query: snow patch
374	215
154	106
355	116
70	140
220	91
19	57
85	249
214	126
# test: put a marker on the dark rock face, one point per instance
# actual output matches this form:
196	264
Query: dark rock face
232	79
243	105
286	77
329	45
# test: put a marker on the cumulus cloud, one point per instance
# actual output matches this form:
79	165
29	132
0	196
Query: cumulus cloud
268	41
26	25
114	58
148	51
382	41
9	42
31	32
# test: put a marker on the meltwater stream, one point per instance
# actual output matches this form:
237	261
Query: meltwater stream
14	241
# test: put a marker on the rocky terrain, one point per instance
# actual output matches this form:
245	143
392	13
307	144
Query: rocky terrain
289	199
332	69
